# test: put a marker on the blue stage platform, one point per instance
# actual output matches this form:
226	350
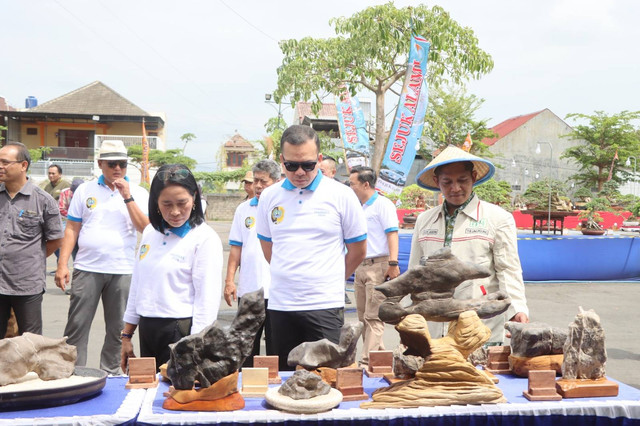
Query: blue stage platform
568	257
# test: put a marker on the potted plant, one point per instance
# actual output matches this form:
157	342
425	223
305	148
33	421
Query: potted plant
591	219
634	219
536	197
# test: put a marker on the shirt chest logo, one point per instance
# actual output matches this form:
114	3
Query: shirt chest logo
144	249
277	215
477	227
249	222
91	203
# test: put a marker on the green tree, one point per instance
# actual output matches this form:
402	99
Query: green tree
159	158
2	129
186	138
602	137
450	117
370	52
496	192
216	181
37	153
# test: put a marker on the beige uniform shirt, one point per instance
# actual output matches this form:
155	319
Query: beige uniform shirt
484	234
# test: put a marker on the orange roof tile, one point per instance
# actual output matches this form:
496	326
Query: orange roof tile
508	126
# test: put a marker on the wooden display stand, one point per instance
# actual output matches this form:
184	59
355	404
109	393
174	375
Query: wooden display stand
142	373
270	362
380	363
498	360
542	386
349	383
585	388
255	382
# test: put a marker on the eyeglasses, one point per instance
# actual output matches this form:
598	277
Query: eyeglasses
293	166
5	163
113	164
175	175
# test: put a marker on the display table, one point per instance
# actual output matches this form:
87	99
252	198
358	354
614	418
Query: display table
114	405
622	410
541	217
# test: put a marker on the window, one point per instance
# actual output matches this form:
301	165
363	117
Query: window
516	187
32	131
235	159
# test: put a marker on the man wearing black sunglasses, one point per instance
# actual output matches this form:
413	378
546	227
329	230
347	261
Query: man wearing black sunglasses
304	224
102	218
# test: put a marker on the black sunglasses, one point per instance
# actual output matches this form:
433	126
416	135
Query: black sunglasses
113	164
293	166
175	175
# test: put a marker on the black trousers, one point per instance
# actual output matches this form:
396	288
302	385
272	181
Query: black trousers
289	329
266	326
28	310
157	333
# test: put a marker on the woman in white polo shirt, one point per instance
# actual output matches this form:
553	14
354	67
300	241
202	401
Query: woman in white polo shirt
177	279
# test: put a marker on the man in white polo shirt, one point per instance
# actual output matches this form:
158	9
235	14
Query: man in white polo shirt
103	218
381	263
305	222
246	251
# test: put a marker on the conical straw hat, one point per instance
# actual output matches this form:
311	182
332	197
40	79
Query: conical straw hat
452	154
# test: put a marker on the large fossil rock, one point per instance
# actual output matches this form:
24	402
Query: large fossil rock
535	339
446	377
304	384
432	286
324	353
216	352
584	351
405	365
49	358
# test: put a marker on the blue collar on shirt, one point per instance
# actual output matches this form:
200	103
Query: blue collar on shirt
311	187
373	198
101	180
253	201
180	231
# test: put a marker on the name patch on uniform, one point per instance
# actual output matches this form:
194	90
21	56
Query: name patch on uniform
178	258
144	249
474	231
429	232
277	215
249	222
91	203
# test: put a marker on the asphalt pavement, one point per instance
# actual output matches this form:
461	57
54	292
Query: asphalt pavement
553	303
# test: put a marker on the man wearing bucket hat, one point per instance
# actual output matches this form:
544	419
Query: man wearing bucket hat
476	231
103	218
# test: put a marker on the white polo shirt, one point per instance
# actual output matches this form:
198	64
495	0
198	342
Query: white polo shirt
178	274
107	237
308	228
381	219
254	268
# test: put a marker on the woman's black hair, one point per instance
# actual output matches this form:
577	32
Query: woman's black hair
174	174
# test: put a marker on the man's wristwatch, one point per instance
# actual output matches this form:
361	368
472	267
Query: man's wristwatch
128	200
393	263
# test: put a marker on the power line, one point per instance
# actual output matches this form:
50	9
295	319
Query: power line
247	21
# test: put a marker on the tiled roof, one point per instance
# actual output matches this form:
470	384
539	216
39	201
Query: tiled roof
237	141
508	126
327	112
93	99
4	106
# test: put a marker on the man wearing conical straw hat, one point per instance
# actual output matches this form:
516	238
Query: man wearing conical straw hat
477	232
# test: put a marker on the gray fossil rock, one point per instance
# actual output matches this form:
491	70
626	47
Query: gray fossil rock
432	287
216	352
405	364
304	384
584	351
324	353
535	339
479	357
49	358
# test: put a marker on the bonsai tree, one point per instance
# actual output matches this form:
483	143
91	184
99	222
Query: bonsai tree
537	195
495	192
590	216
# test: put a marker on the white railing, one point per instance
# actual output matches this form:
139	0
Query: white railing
154	141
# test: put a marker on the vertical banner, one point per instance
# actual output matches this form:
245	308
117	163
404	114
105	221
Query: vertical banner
353	129
409	121
145	155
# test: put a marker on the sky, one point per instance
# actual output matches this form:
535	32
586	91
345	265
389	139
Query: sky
207	64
